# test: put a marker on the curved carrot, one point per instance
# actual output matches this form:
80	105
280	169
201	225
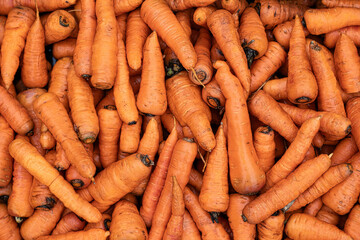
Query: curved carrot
353	32
64	48
104	46
59	26
352	223
263	68
92	234
190	231
282	32
265	147
124	6
85	39
223	29
202	13
130	137
272	227
10	230
301	85
68	223
344	151
352	110
212	95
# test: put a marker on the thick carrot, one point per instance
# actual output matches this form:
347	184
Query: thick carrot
104	46
34	71
75	179
136	33
10	228
313	207
298	228
280	195
301	86
64	48
352	32
252	35
42	222
265	147
68	223
208	228
272	227
276	88
124	6
214	194
103	224
44	5
268	111
295	154
203	67
274	12
327	215
130	136
190	231
343	196
319	21
82	107
344	151
59	26
328	180
48	105
158	16
223	29
202	13
282	32
184	100
341	3
245	175
352	223
352	110
212	95
147	118
85	39
92	234
182	158
347	64
6	161
267	65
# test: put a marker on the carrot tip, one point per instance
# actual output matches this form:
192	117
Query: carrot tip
107	233
93	180
331	154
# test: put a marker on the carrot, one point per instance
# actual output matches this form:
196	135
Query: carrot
280	195
282	32
136	33
44	6
223	29
239	121
2	28
328	180
41	197
184	18
297	228
5	193
332	125
266	109
75	179
230	5
58	82
61	162
64	48
85	39
212	95
107	100
352	111
92	234
352	32
151	98
352	223
196	179
327	215
124	6
241	229
267	65
341	3
124	96
6	162
301	85
182	158
10	230
47	140
184	100
295	154
276	88
158	16
34	72
98	95
68	223
347	62
103	224
121	20
252	35
214	196
179	5
202	13
343	196
96	157
313	207
190	231
59	26
110	125
82	107
42	222
203	67
104	46
273	12
207	227
169	122
147	118
265	147
130	137
272	227
344	151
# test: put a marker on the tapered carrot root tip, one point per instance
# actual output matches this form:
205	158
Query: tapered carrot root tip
214	102
77	183
303	100
214	216
107	233
146	160
250	55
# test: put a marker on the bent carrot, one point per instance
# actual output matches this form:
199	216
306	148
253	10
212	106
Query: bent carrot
64	48
68	223
212	95
190	231
92	234
352	223
352	110
130	137
264	145
282	32
6	161
11	229
344	151
352	32
202	13
272	227
59	26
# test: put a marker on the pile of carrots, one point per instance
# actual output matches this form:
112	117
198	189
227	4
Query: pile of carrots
180	119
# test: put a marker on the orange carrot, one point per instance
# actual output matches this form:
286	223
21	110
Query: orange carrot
313	207
213	96
47	140
92	234
6	169
190	231
85	39
272	227
10	230
196	179
68	223
104	46
178	5
64	48
75	179
61	162
184	18
282	32
223	29
121	20
301	86
280	195
59	26
106	101
344	151
124	6
103	224
276	88
297	228
41	197
147	118
341	3
202	13
169	122
265	147
17	26
130	137
327	215
352	32
2	28
230	5
352	110
267	65
352	223
158	16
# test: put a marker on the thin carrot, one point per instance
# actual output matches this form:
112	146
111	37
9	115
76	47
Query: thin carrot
352	32
190	231
75	179
272	227
121	20
104	46
280	195
130	137
352	110
85	39
92	234
327	215
265	147
64	48
61	163
59	26
10	230
6	169
341	3
276	88
68	223
212	95
267	65
344	151
196	179
352	223
202	13
297	228
103	224
124	6
223	29
282	32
